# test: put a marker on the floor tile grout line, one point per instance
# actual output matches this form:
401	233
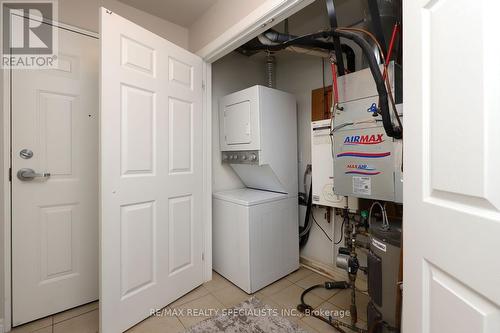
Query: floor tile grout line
218	300
213	294
209	293
192	300
180	321
81	314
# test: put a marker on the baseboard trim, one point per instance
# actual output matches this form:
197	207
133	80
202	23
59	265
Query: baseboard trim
333	273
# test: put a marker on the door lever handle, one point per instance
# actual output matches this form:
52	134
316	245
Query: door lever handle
27	174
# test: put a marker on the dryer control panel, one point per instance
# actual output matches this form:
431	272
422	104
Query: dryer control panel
241	157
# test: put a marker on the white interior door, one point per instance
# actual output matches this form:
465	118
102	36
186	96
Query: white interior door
151	172
452	163
55	219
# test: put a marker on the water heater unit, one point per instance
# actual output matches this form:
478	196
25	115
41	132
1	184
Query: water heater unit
322	168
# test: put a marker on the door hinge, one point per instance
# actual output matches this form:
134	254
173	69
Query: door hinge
203	85
10	174
203	256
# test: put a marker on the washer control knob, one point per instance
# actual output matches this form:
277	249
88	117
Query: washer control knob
253	157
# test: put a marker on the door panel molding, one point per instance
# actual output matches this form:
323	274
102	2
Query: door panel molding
451	215
160	254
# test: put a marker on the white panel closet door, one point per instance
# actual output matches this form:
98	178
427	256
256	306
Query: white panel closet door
452	163
151	172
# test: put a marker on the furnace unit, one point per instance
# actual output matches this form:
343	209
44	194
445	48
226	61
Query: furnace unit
368	163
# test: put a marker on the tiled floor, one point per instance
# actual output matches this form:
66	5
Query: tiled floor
216	294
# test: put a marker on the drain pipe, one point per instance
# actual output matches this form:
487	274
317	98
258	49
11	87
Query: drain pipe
271	70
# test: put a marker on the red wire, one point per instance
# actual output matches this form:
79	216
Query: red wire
335	85
395	31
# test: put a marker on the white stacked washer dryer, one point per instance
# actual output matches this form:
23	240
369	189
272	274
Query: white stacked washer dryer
255	229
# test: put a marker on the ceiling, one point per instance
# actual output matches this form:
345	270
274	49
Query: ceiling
183	12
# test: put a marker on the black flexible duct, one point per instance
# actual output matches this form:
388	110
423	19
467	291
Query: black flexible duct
283	41
278	37
300	40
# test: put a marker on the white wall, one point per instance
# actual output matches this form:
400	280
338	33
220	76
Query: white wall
300	74
231	73
85	14
217	19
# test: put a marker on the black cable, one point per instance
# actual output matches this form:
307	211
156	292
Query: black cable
309	310
331	144
303	295
390	130
314	219
341	232
332	16
303	239
325	94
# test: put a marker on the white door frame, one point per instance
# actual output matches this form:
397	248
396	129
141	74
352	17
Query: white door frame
5	322
256	22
